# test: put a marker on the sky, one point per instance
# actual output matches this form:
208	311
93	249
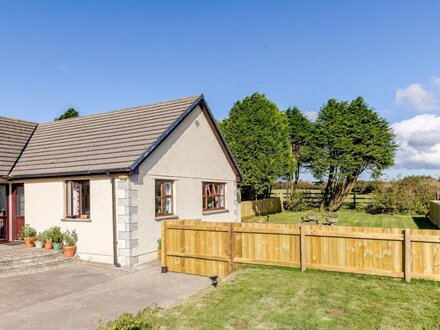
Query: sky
104	55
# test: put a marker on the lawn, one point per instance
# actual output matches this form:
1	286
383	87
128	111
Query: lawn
355	218
284	298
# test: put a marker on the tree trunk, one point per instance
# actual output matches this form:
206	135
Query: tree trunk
341	194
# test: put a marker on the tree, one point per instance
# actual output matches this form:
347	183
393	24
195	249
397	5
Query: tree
300	129
257	133
348	139
70	113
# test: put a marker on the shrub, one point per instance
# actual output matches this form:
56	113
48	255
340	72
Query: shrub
55	235
301	201
409	195
144	319
70	238
27	231
41	237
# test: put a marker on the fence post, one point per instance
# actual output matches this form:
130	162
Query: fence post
407	243
163	245
231	247
302	241
354	200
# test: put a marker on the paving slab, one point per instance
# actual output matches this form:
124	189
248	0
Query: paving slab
80	295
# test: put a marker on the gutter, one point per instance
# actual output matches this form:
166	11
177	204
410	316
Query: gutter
114	220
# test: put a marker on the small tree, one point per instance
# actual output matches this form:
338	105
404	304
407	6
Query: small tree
348	139
257	133
70	113
299	132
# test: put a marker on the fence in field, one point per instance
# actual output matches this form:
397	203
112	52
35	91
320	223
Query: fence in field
434	212
260	207
218	248
314	196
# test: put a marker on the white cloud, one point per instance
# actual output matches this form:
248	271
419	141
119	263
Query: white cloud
420	97
311	115
418	142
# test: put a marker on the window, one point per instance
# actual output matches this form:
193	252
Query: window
19	207
213	196
164	197
78	199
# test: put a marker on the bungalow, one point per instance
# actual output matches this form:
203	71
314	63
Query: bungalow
114	176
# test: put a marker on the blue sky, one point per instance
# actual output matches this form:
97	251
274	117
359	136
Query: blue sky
104	55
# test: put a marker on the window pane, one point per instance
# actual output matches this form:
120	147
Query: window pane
222	201
2	200
168	207
167	188
222	189
76	203
158	191
158	208
85	197
20	200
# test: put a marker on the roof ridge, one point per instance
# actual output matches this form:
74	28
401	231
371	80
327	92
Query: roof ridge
19	120
124	109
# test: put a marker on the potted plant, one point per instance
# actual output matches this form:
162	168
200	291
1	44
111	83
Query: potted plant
312	216
40	241
27	233
70	239
159	249
47	240
332	218
56	237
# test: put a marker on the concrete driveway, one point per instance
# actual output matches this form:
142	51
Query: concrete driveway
78	296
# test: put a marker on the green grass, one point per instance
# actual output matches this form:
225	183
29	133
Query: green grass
354	218
284	298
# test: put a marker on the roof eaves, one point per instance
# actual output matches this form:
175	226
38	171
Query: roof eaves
73	173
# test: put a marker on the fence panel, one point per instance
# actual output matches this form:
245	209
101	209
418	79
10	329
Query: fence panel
208	248
260	207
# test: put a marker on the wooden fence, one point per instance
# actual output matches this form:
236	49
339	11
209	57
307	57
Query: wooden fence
218	248
434	212
260	207
314	197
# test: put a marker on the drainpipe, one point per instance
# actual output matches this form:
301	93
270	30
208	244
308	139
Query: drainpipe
115	233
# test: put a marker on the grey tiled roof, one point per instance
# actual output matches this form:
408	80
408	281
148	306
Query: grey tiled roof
98	143
14	134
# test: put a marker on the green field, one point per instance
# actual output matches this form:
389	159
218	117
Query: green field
285	298
355	219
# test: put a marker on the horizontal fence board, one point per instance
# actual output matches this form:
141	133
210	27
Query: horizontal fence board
218	248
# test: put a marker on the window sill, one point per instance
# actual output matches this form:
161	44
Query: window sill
75	220
215	211
166	217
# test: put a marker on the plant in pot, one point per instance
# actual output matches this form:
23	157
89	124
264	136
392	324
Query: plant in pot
332	218
27	233
312	216
40	240
47	240
57	237
70	239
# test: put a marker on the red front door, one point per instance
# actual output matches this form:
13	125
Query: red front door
17	209
4	233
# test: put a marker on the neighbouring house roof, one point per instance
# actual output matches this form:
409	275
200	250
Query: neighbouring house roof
14	134
111	142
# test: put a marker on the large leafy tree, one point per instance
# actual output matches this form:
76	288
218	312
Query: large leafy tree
70	113
257	133
348	139
300	129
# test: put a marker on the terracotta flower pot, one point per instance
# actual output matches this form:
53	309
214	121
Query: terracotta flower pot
29	242
48	245
69	251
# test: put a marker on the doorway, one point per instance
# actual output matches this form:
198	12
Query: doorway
18	201
4	213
